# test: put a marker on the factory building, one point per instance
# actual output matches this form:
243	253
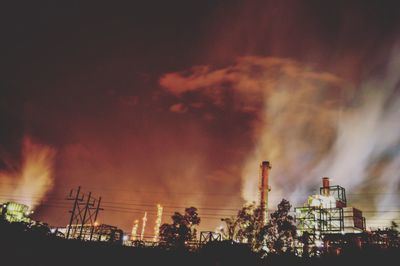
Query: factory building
325	216
15	212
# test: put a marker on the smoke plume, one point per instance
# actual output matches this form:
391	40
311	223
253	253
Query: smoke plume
29	183
308	123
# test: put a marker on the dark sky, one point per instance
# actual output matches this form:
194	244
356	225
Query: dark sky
86	79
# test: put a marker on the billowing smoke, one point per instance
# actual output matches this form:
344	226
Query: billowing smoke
366	148
293	106
309	124
29	183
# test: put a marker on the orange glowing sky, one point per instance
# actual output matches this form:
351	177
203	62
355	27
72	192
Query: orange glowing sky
177	102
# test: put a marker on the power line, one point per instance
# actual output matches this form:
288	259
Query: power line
140	211
118	203
169	192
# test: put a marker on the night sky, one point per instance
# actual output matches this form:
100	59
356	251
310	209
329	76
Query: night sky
177	102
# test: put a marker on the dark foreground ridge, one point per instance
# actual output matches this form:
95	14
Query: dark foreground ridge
32	247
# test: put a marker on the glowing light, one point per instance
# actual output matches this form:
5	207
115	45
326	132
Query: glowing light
318	243
218	229
144	221
158	223
134	230
320	201
16	212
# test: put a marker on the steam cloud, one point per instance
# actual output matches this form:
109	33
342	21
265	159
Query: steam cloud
33	179
309	124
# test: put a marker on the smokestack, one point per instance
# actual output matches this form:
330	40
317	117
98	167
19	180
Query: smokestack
264	189
325	186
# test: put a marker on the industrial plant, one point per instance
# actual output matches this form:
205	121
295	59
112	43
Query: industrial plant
325	215
323	223
95	232
15	212
324	219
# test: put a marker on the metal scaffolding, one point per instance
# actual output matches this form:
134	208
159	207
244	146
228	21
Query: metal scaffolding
209	236
325	214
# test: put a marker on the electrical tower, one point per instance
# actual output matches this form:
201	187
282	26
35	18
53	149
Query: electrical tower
83	215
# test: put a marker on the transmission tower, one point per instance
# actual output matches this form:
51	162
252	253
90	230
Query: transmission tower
83	215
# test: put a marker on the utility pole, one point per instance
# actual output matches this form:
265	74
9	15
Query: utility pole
83	215
95	218
76	200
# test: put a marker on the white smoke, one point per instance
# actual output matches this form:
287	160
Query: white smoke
352	141
309	124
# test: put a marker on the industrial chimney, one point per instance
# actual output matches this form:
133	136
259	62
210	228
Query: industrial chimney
325	187
264	189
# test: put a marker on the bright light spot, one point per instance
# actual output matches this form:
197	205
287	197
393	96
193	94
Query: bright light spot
319	243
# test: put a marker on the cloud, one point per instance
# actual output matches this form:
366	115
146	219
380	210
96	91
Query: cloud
295	107
250	78
179	108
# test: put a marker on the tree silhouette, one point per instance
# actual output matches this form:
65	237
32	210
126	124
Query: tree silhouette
245	227
393	235
277	236
182	230
280	231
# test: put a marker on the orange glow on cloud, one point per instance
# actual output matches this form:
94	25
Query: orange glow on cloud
34	178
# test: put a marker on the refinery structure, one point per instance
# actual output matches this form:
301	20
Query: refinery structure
95	232
322	222
324	215
15	212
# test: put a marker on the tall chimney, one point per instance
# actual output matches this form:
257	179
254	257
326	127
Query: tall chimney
325	186
264	189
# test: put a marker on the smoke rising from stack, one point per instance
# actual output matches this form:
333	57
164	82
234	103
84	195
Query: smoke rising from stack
30	182
309	123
